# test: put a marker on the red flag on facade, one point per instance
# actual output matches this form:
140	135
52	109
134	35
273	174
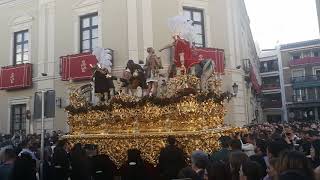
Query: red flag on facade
15	77
77	67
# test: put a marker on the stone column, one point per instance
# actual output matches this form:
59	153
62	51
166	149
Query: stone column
46	53
147	25
132	30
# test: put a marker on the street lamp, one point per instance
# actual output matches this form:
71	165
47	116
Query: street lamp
235	88
230	95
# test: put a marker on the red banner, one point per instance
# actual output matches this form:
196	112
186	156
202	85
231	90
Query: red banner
77	67
216	55
15	77
195	55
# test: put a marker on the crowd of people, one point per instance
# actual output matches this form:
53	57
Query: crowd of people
267	152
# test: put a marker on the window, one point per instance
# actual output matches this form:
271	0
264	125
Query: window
299	94
21	49
317	92
196	15
273	118
306	54
297	73
88	32
18	118
317	72
315	54
296	56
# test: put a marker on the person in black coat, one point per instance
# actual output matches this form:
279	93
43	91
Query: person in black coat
24	168
134	168
60	161
171	160
80	164
261	155
102	167
103	83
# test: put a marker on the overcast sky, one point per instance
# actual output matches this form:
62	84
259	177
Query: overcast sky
283	21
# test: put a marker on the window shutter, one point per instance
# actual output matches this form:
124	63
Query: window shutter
49	104
37	106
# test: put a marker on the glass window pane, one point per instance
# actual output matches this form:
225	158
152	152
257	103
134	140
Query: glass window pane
94	43
18	57
198	28
25	47
26	36
85	22
86	44
187	14
26	56
95	33
197	16
94	20
19	37
198	39
18	48
86	35
86	50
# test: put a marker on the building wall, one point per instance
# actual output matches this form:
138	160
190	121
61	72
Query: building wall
318	11
128	27
286	52
267	56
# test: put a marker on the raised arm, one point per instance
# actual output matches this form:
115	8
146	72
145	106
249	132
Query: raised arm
166	47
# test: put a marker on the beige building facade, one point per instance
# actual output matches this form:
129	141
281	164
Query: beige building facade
39	32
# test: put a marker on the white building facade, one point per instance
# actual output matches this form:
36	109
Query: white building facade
39	32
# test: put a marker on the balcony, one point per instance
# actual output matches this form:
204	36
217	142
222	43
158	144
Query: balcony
306	99
303	79
270	86
16	77
269	70
306	81
304	61
272	104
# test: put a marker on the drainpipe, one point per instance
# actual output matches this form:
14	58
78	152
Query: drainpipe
283	92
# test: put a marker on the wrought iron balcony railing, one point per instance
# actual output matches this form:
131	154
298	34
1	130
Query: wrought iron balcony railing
303	79
272	104
266	70
304	99
270	86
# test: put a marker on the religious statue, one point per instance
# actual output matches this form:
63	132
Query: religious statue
125	81
102	77
152	67
134	77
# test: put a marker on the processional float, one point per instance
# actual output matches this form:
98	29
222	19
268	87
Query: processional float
188	105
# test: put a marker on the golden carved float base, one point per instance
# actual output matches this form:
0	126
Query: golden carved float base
116	145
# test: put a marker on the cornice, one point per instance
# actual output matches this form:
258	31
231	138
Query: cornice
12	3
